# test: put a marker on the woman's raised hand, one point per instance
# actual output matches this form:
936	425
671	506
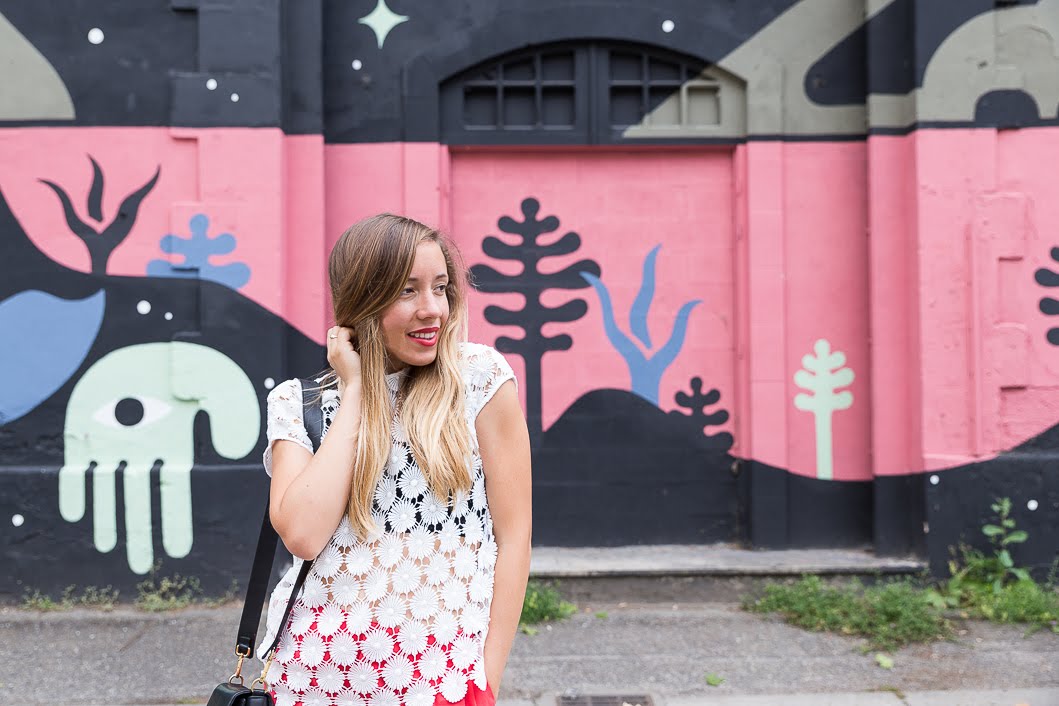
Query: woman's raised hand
340	353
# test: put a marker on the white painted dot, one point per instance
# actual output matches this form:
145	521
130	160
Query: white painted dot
357	65
269	383
17	520
144	307
934	480
211	84
169	316
1032	505
95	35
668	26
235	98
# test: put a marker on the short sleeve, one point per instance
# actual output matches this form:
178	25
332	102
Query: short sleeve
284	419
488	371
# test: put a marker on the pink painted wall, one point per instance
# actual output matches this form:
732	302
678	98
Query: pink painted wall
622	204
913	255
985	221
870	246
260	186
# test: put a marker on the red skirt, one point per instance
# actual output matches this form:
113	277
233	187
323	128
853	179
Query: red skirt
473	697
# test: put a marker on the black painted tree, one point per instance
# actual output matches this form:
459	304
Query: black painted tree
101	242
699	419
531	283
1050	306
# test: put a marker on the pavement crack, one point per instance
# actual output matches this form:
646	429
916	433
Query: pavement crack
134	638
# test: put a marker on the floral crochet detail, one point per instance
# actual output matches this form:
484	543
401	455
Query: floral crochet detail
402	616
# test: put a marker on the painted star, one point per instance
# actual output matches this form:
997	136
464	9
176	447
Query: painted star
381	20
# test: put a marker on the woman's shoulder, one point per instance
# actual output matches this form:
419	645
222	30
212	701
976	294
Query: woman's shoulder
290	390
287	390
481	356
482	362
470	350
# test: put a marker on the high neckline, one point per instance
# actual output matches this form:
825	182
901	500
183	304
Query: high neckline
393	380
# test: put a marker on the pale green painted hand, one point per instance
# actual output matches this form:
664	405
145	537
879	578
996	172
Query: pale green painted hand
134	408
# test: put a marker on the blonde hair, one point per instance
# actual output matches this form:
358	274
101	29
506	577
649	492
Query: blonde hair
367	269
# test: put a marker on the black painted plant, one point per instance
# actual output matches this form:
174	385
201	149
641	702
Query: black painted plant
531	283
699	419
1050	306
101	243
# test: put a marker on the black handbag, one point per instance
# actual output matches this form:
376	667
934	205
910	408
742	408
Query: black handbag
233	692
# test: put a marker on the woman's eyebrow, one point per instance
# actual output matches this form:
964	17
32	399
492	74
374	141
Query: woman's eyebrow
441	276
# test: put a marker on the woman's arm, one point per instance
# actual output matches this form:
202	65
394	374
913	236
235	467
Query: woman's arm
309	493
503	441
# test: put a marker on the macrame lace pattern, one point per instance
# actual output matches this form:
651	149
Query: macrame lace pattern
401	617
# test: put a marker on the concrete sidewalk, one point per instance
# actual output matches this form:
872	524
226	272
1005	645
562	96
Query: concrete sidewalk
664	651
1001	697
651	622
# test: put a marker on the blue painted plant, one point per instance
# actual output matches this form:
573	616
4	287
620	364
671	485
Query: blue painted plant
197	251
645	371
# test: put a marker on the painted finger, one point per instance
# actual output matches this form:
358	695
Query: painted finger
138	544
177	532
104	507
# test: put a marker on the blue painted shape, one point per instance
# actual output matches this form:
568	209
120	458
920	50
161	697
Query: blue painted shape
642	303
645	373
45	341
197	251
632	355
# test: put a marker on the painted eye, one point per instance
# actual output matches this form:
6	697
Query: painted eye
131	412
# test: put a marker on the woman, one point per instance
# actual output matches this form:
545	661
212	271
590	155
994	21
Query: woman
416	506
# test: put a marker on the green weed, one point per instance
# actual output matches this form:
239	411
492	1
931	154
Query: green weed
156	594
90	597
984	585
889	615
543	603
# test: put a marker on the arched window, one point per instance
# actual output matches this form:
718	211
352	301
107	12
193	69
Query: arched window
591	93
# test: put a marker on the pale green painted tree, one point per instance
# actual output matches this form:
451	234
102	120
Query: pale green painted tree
822	375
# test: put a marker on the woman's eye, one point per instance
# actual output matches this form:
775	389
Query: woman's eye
443	287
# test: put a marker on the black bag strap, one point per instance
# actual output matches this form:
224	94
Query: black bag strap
313	416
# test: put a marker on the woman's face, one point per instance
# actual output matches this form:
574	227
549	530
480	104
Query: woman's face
411	326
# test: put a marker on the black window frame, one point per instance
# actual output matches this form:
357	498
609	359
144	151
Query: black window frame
592	85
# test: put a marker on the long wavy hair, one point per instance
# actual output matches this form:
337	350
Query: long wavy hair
367	269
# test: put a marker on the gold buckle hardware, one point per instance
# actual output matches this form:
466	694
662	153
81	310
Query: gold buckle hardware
239	667
264	673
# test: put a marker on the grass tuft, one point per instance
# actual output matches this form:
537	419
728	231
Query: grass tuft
982	585
888	615
157	594
543	603
90	597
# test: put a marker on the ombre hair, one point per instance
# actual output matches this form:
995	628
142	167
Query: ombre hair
367	269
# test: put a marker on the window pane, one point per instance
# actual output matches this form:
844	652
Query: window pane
521	70
625	107
665	107
558	107
479	107
664	70
704	105
627	67
558	67
520	107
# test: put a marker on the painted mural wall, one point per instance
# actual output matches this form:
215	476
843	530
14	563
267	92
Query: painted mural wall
780	273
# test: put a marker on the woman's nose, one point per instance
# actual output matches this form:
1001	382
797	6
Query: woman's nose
431	308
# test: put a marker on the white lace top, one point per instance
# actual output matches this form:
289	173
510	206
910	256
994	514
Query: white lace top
403	617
